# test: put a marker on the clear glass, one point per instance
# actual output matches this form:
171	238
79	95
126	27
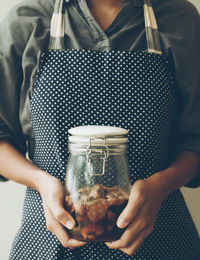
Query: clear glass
96	201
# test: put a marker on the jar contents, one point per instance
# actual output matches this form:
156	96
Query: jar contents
96	210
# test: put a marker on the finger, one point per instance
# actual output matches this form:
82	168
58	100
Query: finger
59	231
75	243
135	246
61	215
130	234
63	237
135	203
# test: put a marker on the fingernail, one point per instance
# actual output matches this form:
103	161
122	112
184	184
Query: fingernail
69	224
121	223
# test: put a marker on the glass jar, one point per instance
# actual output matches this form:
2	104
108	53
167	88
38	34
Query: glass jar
97	183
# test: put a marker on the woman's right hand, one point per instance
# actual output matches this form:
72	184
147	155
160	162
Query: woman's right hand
57	218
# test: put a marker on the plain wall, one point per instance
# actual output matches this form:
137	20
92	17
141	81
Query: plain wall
12	194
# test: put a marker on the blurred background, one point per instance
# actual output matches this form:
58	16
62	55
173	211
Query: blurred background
12	194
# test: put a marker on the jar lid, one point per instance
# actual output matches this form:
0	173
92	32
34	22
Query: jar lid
98	131
98	141
99	136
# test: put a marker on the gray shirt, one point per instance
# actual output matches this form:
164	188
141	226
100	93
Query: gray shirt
24	35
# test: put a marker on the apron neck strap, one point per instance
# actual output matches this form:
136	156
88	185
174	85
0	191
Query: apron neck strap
151	27
57	31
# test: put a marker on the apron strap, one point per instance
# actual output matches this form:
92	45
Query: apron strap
151	27
57	31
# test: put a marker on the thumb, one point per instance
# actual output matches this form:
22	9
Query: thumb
135	203
61	215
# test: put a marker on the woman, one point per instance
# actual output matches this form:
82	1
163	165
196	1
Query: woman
103	67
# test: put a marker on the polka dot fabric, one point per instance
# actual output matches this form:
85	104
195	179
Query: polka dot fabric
132	90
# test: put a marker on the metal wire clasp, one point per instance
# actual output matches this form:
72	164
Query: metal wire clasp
92	153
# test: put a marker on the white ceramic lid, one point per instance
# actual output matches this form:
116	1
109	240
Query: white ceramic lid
97	131
109	141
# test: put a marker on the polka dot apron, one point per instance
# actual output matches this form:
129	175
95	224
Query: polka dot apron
128	89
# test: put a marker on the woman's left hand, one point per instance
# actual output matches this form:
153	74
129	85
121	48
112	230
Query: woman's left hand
140	214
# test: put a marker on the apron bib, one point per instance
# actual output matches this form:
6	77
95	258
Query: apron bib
129	89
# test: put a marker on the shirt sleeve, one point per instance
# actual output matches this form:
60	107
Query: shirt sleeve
17	30
6	134
182	40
